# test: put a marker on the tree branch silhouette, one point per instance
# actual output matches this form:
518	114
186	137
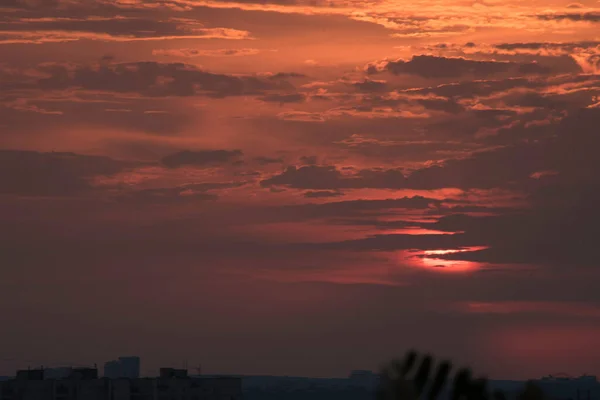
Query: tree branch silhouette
410	379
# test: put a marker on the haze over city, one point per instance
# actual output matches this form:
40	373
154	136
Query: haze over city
293	187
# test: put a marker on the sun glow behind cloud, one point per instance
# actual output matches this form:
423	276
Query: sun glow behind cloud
418	231
430	260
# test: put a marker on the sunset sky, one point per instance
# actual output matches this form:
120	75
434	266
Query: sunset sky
300	187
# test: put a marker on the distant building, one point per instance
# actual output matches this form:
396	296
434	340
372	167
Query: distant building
168	373
130	367
563	387
82	386
124	367
112	369
30	375
83	373
57	373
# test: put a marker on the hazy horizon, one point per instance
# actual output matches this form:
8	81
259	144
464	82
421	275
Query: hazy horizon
193	371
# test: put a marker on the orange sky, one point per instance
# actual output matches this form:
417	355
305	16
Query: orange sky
276	184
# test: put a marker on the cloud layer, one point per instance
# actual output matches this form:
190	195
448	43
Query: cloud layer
314	173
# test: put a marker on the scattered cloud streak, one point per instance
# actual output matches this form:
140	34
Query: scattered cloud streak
115	29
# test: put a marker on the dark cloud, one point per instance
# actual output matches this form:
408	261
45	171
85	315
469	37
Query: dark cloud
407	102
548	45
309	160
284	2
485	170
350	211
414	202
307	177
30	173
101	112
394	242
470	89
262	160
201	158
113	28
369	85
558	227
149	121
284	98
506	167
433	67
487	87
571	57
566	148
537	100
322	194
528	58
286	75
145	78
557	232
583	16
318	177
188	53
31	4
189	193
390	151
375	213
166	196
562	222
446	105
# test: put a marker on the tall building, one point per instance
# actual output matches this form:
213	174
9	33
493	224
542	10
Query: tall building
173	373
130	367
112	369
124	367
84	373
57	373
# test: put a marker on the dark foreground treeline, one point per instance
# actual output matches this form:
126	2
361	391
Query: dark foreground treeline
418	377
308	394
